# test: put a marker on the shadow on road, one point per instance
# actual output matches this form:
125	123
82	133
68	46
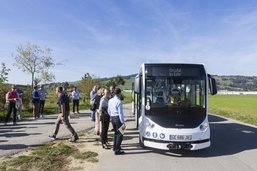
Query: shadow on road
15	134
12	146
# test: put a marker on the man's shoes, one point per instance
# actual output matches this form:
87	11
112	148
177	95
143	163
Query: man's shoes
105	146
14	123
5	124
52	137
74	138
119	152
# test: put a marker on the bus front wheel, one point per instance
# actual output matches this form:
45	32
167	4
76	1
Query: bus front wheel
141	144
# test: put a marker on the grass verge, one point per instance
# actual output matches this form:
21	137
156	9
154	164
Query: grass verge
48	157
238	107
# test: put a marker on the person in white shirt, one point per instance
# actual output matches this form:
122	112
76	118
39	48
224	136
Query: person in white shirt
75	98
115	110
42	95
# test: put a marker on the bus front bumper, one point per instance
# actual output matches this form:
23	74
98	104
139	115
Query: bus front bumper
196	145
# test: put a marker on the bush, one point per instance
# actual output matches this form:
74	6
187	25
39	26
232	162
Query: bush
3	90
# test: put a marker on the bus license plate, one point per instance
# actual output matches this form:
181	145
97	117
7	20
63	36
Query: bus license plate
180	137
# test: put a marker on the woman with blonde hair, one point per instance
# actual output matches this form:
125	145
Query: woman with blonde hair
97	99
104	118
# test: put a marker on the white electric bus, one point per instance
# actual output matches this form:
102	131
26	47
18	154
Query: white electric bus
170	105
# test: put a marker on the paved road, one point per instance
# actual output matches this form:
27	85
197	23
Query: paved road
30	133
234	147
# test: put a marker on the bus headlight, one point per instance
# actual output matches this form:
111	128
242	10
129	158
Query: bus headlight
148	124
203	126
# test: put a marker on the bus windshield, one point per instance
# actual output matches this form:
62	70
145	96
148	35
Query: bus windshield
179	92
176	102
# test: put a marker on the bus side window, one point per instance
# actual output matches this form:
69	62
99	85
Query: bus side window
149	95
159	100
158	97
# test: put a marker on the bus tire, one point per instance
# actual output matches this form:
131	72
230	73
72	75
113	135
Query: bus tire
136	121
141	144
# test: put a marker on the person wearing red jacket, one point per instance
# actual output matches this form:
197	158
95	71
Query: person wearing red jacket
11	97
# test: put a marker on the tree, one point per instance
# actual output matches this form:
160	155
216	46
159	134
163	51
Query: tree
46	76
86	76
116	81
3	87
31	59
87	83
4	73
36	81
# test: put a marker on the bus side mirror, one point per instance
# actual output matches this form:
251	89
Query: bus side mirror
137	84
212	85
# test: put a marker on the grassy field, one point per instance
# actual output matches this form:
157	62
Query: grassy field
239	107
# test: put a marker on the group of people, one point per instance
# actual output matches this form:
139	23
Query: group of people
39	94
106	106
14	102
38	101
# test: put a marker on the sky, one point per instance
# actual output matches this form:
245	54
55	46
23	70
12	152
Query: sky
106	38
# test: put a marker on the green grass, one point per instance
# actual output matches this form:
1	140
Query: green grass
127	97
239	107
48	157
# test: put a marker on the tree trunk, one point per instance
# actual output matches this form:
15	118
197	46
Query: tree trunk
32	83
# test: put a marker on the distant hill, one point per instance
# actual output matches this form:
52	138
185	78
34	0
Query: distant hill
236	83
230	83
128	81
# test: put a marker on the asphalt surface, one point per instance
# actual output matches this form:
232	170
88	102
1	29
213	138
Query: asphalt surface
30	133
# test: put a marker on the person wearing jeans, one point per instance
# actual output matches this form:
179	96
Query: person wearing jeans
115	109
42	94
93	93
35	102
